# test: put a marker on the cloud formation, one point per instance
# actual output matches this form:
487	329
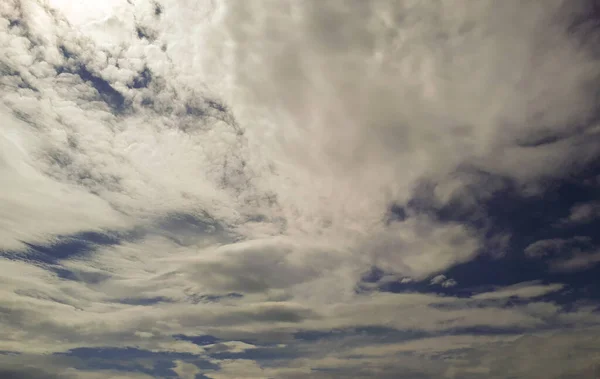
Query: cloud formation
227	189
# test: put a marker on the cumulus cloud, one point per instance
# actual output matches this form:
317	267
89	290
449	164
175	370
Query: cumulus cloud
441	280
242	165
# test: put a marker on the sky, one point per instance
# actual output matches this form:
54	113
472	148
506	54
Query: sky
299	189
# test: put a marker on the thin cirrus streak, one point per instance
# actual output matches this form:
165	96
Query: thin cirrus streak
227	189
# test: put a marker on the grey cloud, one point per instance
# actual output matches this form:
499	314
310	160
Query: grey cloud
278	313
583	213
269	313
365	111
367	148
571	254
557	247
29	373
30	366
550	355
258	268
343	55
561	355
521	290
577	262
420	246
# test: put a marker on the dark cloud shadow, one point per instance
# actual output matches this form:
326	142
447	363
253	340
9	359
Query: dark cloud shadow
145	300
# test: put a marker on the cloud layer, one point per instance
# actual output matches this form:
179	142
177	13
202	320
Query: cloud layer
298	189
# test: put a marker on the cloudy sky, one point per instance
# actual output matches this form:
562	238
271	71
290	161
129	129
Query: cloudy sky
299	189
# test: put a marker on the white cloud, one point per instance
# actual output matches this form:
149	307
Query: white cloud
342	89
36	208
341	147
100	305
438	279
570	254
186	370
235	368
432	345
337	110
521	290
449	283
26	366
466	356
555	355
441	280
230	347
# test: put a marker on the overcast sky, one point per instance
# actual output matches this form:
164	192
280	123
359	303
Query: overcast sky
299	189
